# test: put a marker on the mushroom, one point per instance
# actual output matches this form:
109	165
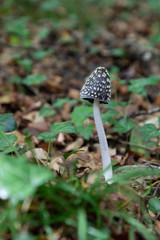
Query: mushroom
97	89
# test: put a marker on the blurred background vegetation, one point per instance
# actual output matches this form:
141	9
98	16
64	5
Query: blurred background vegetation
89	16
56	43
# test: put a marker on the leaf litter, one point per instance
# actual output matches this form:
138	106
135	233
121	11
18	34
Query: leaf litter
65	69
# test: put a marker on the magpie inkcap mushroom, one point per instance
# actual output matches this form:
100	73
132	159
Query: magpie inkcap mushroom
97	86
97	89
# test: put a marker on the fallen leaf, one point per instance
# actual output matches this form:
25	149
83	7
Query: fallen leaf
33	117
40	126
55	85
157	226
73	93
39	154
57	164
74	145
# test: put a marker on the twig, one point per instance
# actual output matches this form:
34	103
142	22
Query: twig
136	145
130	168
157	109
155	191
4	44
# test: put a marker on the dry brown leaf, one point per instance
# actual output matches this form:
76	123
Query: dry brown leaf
65	36
153	120
91	178
21	139
61	139
30	105
73	93
157	100
74	145
7	99
157	224
55	85
57	164
112	151
39	154
33	117
39	126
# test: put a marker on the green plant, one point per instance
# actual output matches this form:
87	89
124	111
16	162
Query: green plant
26	64
49	137
61	101
154	205
69	205
65	127
26	178
124	125
78	119
54	202
41	53
151	133
34	79
138	85
47	111
7	124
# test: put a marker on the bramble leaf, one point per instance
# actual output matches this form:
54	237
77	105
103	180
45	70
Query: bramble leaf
124	125
34	79
7	122
65	127
149	131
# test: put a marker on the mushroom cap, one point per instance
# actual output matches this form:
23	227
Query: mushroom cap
97	86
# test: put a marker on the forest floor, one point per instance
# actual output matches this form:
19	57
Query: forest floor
128	49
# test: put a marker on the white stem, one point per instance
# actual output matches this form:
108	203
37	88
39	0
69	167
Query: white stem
106	160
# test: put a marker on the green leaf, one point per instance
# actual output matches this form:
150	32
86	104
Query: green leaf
123	174
114	70
50	5
7	122
111	105
98	234
109	116
26	64
148	235
25	176
46	111
124	125
18	27
82	224
66	155
47	137
15	79
114	103
154	205
149	131
40	54
15	56
24	236
81	113
151	144
7	141
86	131
137	138
118	52
43	33
64	127
137	85
34	79
61	101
